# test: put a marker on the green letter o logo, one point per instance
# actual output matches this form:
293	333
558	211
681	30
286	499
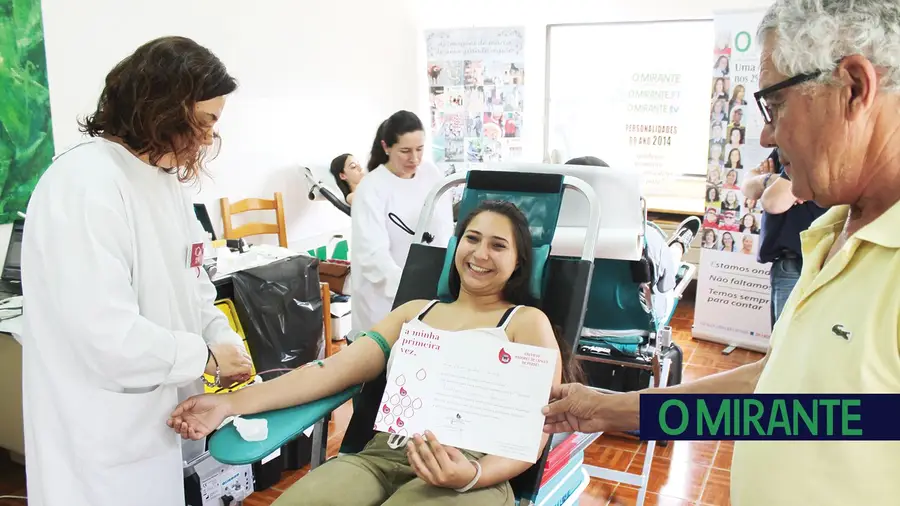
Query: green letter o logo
662	417
742	41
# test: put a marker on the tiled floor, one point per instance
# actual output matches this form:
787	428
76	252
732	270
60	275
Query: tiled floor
682	473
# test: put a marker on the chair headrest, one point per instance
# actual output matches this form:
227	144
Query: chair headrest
537	195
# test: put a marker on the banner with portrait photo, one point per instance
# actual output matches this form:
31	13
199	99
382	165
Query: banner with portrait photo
732	305
476	85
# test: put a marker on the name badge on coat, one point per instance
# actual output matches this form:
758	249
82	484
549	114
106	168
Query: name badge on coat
195	255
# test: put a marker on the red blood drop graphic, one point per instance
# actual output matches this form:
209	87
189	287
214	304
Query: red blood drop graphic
391	430
386	409
400	422
402	391
505	358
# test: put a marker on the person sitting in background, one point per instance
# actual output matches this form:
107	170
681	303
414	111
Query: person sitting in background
664	253
347	174
489	281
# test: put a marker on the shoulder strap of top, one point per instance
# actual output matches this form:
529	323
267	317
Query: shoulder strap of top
426	309
507	316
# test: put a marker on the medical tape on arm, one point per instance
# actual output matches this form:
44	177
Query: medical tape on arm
381	341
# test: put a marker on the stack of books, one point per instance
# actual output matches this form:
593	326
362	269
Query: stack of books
564	477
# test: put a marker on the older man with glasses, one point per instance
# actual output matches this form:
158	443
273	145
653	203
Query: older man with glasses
830	97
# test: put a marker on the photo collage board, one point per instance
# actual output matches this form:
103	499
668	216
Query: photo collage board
476	85
731	222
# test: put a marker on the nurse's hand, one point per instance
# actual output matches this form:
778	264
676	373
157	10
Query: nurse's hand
233	360
198	416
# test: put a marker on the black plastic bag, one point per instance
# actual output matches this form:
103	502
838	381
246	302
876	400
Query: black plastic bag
280	307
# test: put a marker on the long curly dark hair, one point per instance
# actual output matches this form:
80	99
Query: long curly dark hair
148	102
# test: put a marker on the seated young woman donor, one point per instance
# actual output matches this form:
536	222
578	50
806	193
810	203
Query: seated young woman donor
489	281
347	173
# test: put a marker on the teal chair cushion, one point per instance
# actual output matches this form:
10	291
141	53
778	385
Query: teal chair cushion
228	447
538	268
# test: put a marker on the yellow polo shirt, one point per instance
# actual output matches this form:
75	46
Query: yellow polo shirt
838	334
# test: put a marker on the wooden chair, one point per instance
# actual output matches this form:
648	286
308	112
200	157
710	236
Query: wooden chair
326	319
249	229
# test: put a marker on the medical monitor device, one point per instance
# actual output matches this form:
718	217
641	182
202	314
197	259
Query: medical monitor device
622	209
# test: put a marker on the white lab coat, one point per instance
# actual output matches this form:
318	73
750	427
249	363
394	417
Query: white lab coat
115	334
380	246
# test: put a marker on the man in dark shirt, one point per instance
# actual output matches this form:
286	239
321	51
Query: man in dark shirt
784	218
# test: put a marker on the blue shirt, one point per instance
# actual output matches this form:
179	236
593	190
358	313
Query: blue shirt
781	232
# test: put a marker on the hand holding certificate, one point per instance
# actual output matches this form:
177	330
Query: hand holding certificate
472	389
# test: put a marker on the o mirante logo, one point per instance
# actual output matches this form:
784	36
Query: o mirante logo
742	41
865	417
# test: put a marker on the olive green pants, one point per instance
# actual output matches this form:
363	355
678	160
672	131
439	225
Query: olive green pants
381	476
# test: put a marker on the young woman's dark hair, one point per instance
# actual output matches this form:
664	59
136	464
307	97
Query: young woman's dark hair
517	290
400	123
149	97
337	167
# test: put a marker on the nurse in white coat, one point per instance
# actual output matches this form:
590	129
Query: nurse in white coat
386	208
119	321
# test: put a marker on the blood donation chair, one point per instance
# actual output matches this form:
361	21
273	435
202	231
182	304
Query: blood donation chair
622	347
559	282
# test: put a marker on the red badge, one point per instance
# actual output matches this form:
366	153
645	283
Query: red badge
196	256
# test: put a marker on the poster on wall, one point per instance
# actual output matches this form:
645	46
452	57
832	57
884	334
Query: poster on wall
732	305
635	108
26	134
476	85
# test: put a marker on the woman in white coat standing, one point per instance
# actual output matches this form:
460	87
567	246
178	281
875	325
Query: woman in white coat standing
386	208
119	321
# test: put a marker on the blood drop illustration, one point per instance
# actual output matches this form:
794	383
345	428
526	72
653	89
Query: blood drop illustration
400	381
400	422
385	409
395	399
397	410
504	357
408	413
417	404
420	375
405	402
391	430
402	391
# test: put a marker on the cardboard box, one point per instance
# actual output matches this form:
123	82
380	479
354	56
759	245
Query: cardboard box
340	320
337	274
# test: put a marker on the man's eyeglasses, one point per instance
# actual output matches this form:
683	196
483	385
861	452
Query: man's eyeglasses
761	95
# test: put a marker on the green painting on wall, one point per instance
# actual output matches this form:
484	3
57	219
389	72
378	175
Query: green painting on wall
26	135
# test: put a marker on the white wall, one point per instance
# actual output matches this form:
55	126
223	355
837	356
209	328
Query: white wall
536	15
316	79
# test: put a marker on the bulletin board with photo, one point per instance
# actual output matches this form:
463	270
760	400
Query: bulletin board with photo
476	89
733	297
731	222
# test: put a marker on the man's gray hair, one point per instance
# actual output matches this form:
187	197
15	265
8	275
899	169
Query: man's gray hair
815	34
